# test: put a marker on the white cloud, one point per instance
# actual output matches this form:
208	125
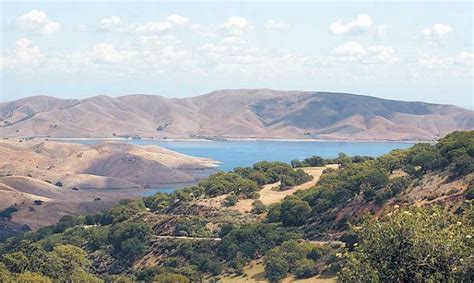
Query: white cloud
274	25
177	20
115	24
437	32
111	24
106	53
26	54
37	22
359	25
352	51
171	21
462	59
153	27
236	25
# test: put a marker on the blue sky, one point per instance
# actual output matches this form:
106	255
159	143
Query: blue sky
406	51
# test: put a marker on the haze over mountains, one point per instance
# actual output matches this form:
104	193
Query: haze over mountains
246	113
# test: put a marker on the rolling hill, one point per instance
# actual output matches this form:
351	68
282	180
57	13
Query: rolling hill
45	180
245	113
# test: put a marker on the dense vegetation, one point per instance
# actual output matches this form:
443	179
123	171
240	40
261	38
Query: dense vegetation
413	245
402	245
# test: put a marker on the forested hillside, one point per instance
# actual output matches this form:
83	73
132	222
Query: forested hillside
402	217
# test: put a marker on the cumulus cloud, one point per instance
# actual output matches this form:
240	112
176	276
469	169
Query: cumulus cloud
359	25
26	54
177	20
274	25
106	53
38	22
437	32
353	51
236	25
115	24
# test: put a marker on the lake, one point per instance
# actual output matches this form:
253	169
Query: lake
233	154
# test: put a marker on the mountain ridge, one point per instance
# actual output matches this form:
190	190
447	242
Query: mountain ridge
233	113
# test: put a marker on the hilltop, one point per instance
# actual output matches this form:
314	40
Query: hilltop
243	113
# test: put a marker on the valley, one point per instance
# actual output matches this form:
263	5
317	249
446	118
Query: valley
316	220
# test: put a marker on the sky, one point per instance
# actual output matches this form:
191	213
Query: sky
414	51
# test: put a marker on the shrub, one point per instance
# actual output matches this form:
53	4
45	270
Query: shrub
398	246
276	268
258	207
230	200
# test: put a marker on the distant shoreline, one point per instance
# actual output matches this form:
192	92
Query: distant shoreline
229	140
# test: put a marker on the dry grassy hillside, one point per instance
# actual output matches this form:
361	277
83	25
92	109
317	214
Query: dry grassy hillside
45	180
245	113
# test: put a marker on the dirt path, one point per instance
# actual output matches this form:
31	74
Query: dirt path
270	194
186	238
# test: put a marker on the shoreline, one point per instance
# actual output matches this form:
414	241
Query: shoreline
224	140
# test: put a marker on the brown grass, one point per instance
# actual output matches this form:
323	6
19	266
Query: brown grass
270	193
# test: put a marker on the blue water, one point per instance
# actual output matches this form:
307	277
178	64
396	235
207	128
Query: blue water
233	154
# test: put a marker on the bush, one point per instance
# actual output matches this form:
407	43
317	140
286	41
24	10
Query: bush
170	278
305	268
470	193
398	246
258	207
276	268
230	200
294	212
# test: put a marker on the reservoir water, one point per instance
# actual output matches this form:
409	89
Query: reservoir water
233	154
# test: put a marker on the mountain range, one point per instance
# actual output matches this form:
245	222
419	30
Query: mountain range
227	114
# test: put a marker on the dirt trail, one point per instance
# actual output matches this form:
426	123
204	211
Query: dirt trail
270	194
158	237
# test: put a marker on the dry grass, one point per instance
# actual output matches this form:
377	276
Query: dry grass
255	272
270	193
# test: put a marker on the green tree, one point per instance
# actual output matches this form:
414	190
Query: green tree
16	262
294	211
130	239
80	275
412	245
5	274
31	277
276	268
71	258
389	162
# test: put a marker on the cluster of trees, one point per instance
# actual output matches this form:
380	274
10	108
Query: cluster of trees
317	161
301	259
7	212
291	212
412	245
266	172
30	262
242	182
